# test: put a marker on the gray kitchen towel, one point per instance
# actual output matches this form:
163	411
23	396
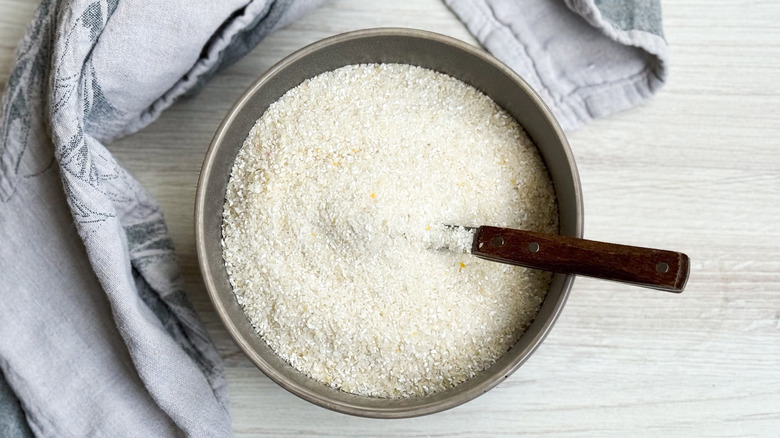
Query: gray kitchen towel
12	422
586	58
97	337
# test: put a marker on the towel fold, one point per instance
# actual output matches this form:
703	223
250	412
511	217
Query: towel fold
96	335
586	58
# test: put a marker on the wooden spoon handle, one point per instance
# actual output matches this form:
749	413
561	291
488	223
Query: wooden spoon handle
647	267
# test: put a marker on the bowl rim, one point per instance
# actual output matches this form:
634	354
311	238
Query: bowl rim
211	287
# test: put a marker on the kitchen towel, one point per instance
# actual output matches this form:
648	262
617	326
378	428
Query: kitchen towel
96	335
586	58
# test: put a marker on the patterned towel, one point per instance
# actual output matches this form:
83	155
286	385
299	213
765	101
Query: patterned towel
96	335
586	58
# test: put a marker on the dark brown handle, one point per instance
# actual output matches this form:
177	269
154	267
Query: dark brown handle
653	268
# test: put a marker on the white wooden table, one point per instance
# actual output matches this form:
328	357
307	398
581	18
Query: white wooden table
697	170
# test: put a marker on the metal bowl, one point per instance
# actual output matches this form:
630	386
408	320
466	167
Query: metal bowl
406	46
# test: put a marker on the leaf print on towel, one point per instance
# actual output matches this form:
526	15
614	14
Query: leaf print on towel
23	98
69	94
99	115
104	197
87	184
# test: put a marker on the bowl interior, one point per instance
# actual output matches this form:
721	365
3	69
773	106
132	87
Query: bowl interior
405	46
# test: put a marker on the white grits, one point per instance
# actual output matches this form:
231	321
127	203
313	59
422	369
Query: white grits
333	229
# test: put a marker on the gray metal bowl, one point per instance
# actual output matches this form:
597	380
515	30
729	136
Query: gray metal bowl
407	46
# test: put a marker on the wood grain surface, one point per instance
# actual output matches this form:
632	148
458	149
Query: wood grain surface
697	169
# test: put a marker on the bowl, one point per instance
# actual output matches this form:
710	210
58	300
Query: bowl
407	46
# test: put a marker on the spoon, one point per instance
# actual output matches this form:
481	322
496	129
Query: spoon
653	268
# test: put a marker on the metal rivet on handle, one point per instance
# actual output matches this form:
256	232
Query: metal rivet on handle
533	247
498	241
662	268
